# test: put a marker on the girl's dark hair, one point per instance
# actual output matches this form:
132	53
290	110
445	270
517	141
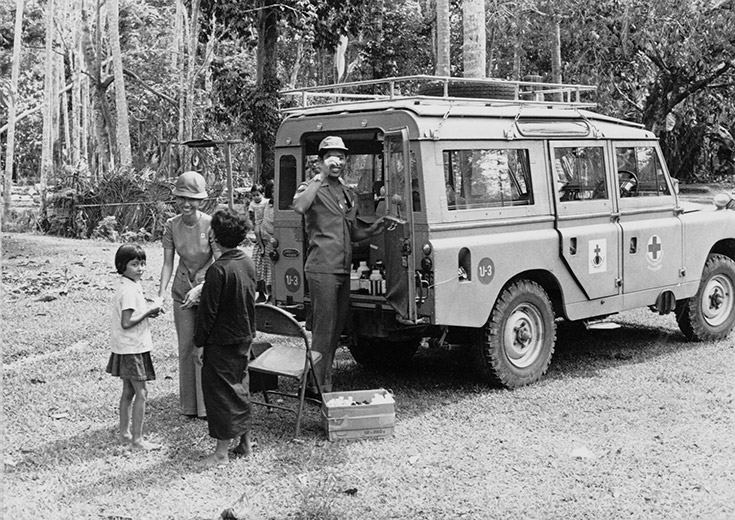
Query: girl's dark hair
229	227
256	187
126	253
268	193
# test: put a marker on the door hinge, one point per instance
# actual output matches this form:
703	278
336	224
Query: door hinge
618	282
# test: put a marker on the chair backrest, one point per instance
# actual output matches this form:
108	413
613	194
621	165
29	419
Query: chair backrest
270	319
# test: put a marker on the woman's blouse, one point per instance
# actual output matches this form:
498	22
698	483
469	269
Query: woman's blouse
191	243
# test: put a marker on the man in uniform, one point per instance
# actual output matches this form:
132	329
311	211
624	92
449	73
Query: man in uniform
328	206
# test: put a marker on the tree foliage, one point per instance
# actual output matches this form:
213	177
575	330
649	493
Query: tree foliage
667	64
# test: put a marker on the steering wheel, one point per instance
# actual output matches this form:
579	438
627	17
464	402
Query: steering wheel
628	183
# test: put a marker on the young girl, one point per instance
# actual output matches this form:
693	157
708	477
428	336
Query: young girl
131	343
257	209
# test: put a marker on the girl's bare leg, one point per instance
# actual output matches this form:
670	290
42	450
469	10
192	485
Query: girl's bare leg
141	394
128	392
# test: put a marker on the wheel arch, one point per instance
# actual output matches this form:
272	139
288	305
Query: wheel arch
724	247
548	283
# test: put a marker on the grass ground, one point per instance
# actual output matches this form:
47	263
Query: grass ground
631	423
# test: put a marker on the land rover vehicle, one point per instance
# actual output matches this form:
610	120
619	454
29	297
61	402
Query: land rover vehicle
505	214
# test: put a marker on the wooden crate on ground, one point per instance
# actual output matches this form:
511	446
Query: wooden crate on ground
358	414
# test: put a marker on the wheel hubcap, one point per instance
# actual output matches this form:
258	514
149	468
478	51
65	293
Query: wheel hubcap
524	335
717	300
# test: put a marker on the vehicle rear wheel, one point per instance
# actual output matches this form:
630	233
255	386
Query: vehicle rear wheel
380	353
710	314
519	336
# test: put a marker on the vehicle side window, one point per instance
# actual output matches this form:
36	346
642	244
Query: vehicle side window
640	173
580	171
487	178
286	181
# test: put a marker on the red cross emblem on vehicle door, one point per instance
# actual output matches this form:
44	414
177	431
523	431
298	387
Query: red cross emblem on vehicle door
654	252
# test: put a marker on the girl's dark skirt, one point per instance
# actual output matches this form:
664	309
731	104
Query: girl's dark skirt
226	389
138	367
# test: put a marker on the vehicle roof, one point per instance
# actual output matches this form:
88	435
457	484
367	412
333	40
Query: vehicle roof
504	110
455	115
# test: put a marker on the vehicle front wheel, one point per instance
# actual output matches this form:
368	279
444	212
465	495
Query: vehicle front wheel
710	314
380	353
519	336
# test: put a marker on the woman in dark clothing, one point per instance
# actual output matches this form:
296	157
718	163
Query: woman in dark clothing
225	329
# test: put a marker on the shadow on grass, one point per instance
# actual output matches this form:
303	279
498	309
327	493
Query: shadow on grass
110	467
448	376
583	353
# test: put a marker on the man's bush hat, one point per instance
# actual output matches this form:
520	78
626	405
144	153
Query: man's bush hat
332	142
191	185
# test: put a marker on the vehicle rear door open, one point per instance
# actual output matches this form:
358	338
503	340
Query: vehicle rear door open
399	254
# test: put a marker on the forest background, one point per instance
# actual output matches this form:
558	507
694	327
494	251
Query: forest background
98	97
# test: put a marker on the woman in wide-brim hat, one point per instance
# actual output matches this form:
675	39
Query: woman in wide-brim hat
187	234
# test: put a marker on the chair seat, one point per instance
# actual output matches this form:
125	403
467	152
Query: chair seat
283	360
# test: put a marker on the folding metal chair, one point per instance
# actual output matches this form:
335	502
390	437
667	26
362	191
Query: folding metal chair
287	360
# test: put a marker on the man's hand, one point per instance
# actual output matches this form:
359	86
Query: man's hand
376	227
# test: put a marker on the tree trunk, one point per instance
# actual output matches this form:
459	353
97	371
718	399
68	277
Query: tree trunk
518	46
100	109
181	151
474	47
208	57
556	76
191	72
84	111
10	143
122	126
296	69
374	31
178	35
76	106
49	101
65	149
490	68
267	75
442	38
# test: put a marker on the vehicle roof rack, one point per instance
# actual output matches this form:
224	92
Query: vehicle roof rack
426	88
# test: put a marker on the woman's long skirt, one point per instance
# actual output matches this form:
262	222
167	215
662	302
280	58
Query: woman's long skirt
226	389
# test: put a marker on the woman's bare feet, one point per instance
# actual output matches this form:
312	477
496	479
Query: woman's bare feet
124	438
141	444
245	447
213	461
243	450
